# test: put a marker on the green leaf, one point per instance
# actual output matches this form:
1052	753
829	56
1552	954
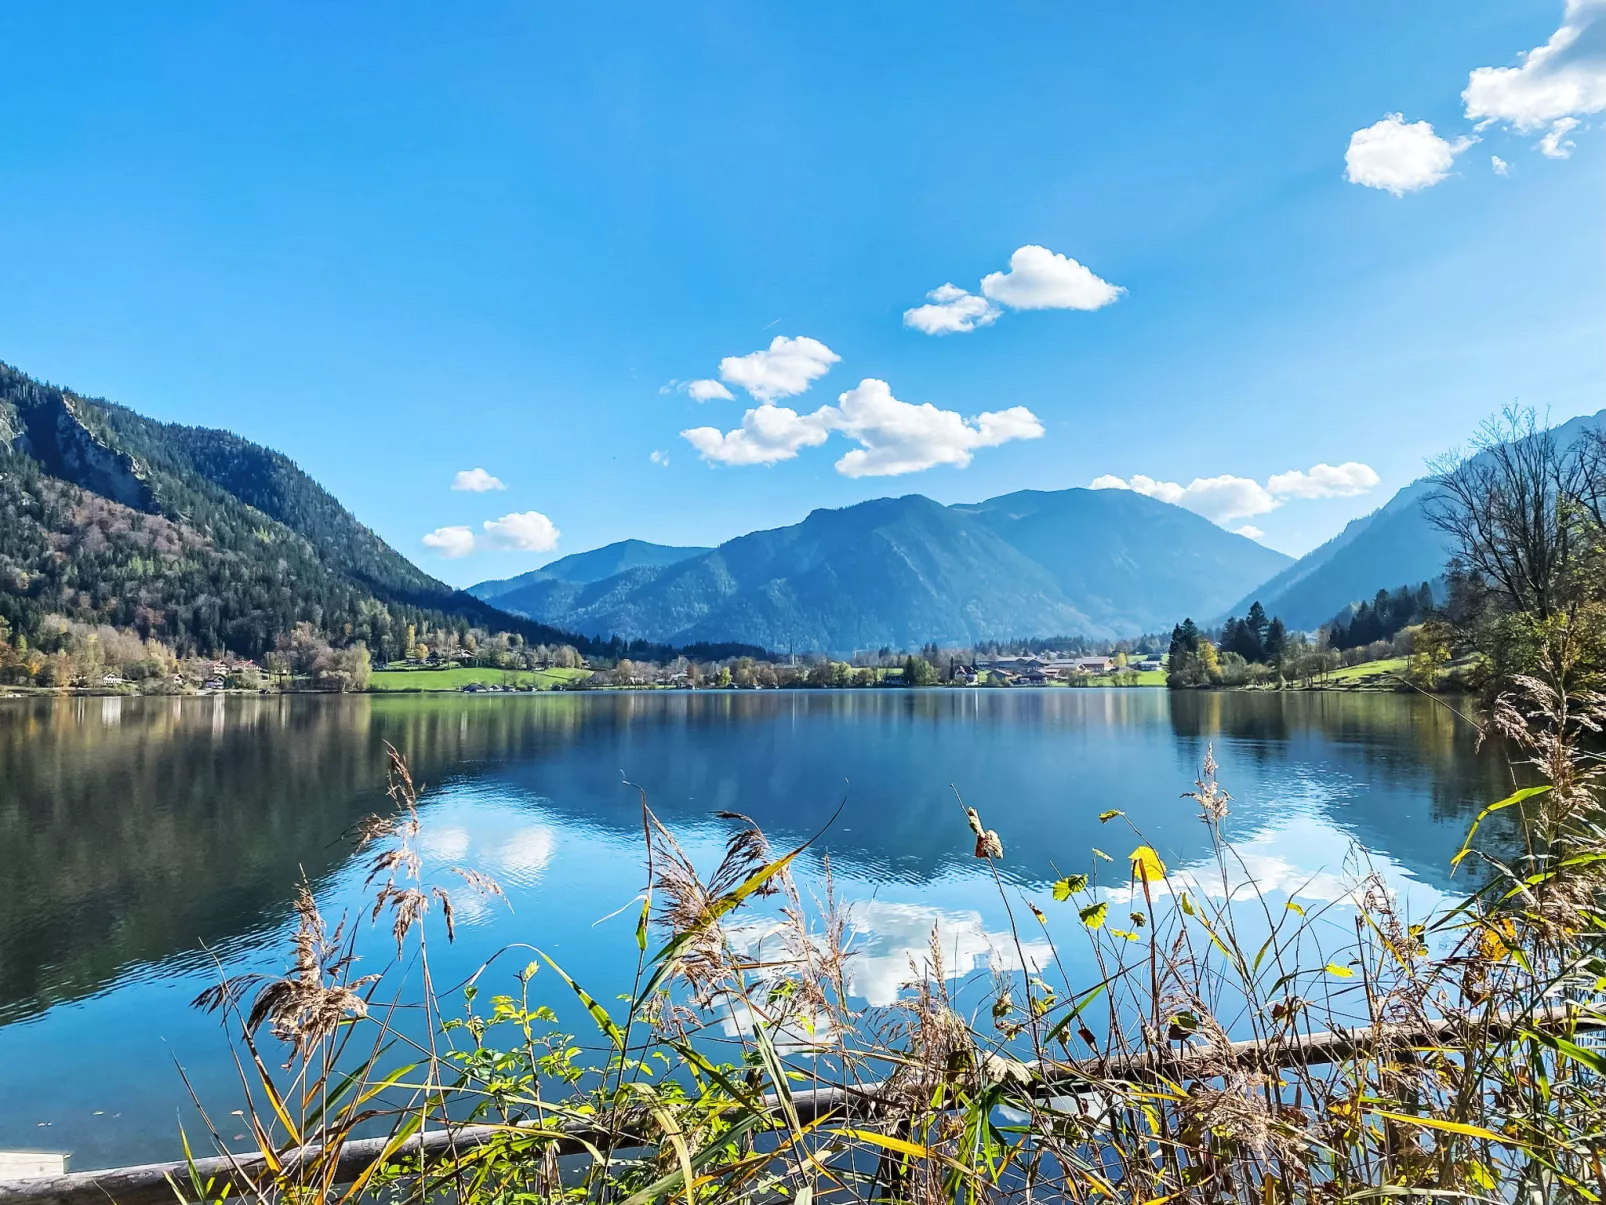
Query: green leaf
1064	1022
1093	915
598	1013
1067	887
1595	1060
1508	801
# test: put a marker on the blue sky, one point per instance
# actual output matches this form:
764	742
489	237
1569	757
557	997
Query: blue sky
407	240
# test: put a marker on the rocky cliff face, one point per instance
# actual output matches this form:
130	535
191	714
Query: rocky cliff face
51	430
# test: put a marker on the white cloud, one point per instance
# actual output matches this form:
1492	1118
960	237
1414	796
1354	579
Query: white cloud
476	481
1325	481
451	542
1040	279
1555	144
659	457
900	437
707	391
894	436
1218	499
529	531
1227	498
767	434
1555	84
786	368
951	310
1501	167
1251	531
1400	157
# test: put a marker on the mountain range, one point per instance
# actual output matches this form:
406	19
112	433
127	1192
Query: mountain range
207	541
900	572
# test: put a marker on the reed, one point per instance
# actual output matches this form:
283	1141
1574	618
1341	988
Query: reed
1230	1048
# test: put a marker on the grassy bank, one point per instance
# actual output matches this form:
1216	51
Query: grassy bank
455	679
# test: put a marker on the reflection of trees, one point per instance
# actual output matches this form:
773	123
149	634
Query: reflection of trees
1402	750
135	829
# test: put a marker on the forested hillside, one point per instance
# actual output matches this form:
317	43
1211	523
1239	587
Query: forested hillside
196	538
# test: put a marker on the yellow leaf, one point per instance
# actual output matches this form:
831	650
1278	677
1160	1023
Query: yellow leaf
1146	865
1093	915
1453	1127
1342	972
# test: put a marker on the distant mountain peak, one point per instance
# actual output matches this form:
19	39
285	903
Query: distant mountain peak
904	570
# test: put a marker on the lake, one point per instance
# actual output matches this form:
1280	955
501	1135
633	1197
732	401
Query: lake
145	841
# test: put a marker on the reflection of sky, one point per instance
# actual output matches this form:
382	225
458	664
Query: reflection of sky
1323	792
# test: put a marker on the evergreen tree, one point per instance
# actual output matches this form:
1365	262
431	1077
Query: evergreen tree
1276	640
1184	638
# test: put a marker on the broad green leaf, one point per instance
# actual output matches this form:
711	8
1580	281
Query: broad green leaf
1067	887
1093	915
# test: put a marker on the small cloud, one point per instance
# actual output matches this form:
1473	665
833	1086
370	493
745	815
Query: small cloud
707	391
659	457
1226	498
1040	279
951	310
453	543
476	481
768	434
1501	167
784	369
1325	481
901	437
895	437
1554	85
529	531
1555	144
1400	157
1251	531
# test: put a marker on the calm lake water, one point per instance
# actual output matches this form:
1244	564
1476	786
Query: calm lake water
142	839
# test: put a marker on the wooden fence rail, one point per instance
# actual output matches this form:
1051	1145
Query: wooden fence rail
148	1184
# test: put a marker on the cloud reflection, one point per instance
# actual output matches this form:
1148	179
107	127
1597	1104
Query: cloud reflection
889	945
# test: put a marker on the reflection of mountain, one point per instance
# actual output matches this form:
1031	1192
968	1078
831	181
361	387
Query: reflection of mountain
136	829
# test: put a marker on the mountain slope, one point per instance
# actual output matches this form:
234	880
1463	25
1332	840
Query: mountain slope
1127	559
592	566
1395	545
194	536
899	572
